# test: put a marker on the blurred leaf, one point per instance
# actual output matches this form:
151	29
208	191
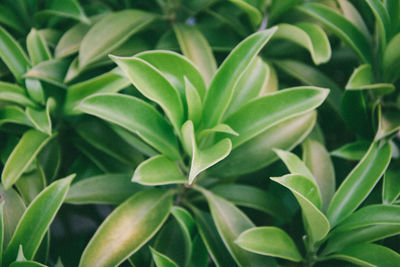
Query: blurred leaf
9	18
351	13
258	152
10	92
389	122
382	20
128	228
36	220
391	186
269	241
66	8
110	32
391	59
136	116
41	118
193	101
27	264
255	16
231	222
196	48
13	55
359	183
200	255
102	189
202	159
35	90
1	231
352	151
342	27
28	147
30	184
158	170
149	81
162	260
272	109
13	114
305	191
221	89
37	47
52	71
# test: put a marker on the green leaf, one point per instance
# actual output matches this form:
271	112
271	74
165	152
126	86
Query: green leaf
368	255
9	18
371	215
252	197
102	189
27	264
30	185
127	228
41	118
221	89
136	116
209	234
200	255
161	260
352	151
28	147
342	27
37	47
1	230
13	114
391	59
158	170
153	85
193	101
230	223
312	76
318	161
37	218
305	191
309	36
388	121
272	109
109	82
391	186
359	183
362	79
269	241
13	55
352	14
382	20
10	92
35	90
203	159
175	68
220	128
110	32
67	9
253	13
258	152
196	48
251	84
52	71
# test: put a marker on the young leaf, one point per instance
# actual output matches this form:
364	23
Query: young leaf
270	241
153	85
203	159
158	170
136	116
13	55
368	255
128	228
309	36
272	109
175	68
52	71
102	189
221	89
37	47
162	260
36	220
342	27
13	93
359	183
110	32
258	152
231	222
305	191
41	118
391	186
29	146
195	47
352	151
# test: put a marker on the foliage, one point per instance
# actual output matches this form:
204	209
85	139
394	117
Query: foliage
175	124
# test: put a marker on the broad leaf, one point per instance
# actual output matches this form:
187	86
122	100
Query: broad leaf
36	220
195	47
158	170
37	47
110	32
128	228
221	89
270	241
359	183
305	191
29	146
71	40
52	71
153	85
102	189
136	116
35	90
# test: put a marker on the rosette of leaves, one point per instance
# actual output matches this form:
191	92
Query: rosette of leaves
197	133
338	225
